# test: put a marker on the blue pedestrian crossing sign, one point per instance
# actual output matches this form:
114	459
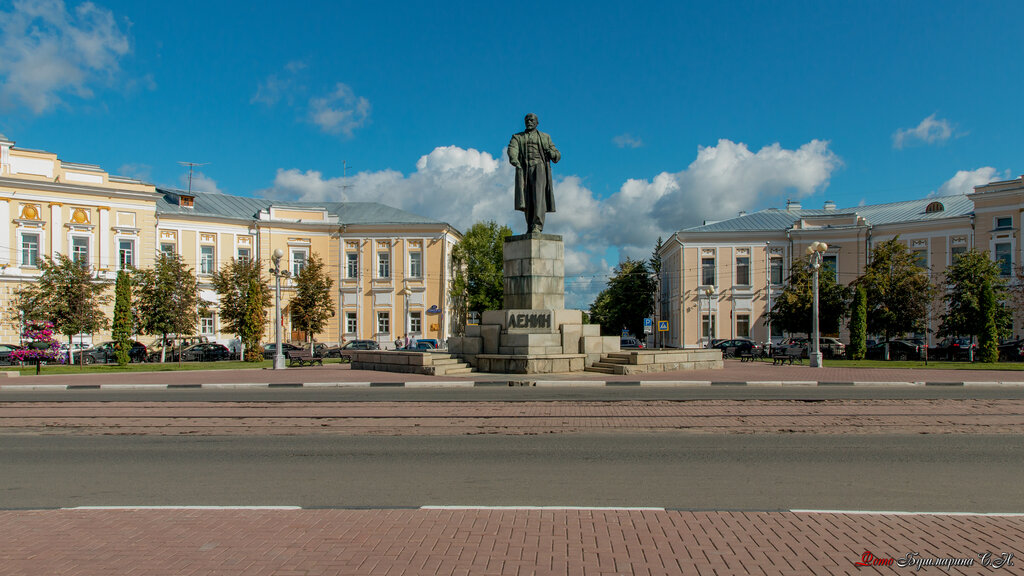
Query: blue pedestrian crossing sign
662	325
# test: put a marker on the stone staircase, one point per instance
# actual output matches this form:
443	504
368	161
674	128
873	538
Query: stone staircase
645	361
408	362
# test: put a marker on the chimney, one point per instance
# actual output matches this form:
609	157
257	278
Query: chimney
792	205
742	213
830	205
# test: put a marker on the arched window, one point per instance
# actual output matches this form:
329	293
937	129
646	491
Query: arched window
934	207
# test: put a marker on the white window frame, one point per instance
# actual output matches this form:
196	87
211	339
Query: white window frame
383	322
88	246
213	259
41	238
782	270
995	257
295	262
350	262
134	252
211	319
746	315
238	254
415	322
351	322
384	261
736	270
714	270
416	273
996	226
831	256
173	245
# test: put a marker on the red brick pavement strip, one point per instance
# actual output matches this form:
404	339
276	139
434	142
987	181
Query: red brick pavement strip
734	371
962	416
491	542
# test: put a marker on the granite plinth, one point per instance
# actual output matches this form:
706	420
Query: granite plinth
534	270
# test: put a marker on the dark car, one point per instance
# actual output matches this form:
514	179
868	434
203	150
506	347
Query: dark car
630	342
270	350
106	352
432	341
737	346
898	350
422	345
206	352
954	349
1012	351
337	351
5	353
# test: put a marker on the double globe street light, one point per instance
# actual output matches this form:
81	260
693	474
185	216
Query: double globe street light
816	252
278	274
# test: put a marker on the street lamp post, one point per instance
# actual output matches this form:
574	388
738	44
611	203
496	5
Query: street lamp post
700	320
815	251
278	274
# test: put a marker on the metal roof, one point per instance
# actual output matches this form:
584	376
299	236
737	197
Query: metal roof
775	219
245	208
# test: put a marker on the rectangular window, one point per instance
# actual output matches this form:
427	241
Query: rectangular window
707	327
743	270
351	325
125	254
415	322
920	258
831	262
1004	258
1004	222
168	248
383	265
206	324
299	258
80	249
956	252
244	254
352	265
383	322
707	271
743	325
776	271
207	263
30	249
416	264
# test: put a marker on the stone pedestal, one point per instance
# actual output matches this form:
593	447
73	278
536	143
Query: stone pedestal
534	272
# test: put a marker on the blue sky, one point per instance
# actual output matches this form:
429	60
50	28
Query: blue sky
666	114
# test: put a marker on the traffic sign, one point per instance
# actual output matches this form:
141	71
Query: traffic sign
648	322
662	325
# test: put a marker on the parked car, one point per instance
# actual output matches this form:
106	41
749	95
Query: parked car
733	348
105	352
5	353
174	344
270	350
898	350
954	349
432	341
630	342
337	351
1012	351
422	345
206	352
829	347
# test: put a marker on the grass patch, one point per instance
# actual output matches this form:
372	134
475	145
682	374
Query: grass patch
147	367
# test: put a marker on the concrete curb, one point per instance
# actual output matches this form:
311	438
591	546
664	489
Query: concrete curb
510	383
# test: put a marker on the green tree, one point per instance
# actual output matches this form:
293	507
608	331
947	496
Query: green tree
167	299
244	299
965	282
988	338
66	295
898	291
858	324
793	310
312	306
478	277
628	299
122	329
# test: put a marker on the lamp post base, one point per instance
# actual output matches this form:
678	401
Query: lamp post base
816	358
279	362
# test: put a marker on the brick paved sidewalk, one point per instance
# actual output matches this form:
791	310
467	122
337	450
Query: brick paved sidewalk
493	542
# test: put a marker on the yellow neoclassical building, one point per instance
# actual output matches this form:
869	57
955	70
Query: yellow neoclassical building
390	267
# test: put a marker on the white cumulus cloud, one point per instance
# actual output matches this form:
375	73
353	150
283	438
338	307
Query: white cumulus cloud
49	52
200	183
964	181
627	141
931	130
340	112
464	186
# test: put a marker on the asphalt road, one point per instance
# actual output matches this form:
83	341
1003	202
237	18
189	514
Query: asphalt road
706	472
516	394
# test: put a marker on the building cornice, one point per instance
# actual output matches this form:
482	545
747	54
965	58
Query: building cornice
17	183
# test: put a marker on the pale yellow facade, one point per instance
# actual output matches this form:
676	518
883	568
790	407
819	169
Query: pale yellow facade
718	280
390	280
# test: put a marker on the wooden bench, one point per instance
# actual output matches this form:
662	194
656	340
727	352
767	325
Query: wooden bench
303	358
782	359
746	356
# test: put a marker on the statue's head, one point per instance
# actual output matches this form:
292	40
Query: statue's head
531	121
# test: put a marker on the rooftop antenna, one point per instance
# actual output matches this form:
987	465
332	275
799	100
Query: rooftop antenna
191	165
344	175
